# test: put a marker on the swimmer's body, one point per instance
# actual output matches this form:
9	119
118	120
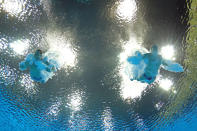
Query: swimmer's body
40	68
153	61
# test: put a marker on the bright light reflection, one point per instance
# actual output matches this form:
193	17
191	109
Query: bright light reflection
13	7
159	105
165	84
7	75
126	9
3	43
107	120
47	6
20	46
28	84
62	47
75	101
130	48
78	121
167	52
130	89
140	124
54	109
174	91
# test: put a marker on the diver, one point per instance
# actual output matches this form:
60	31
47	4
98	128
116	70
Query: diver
152	62
41	68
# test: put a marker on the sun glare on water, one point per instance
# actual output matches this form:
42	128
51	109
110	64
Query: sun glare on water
20	46
107	119
75	101
61	46
167	52
126	9
13	7
165	84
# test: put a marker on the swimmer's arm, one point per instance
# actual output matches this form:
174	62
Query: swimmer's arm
29	59
172	66
47	64
46	60
164	63
146	58
23	65
133	60
50	68
26	63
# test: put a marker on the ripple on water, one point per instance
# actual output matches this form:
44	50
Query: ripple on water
63	102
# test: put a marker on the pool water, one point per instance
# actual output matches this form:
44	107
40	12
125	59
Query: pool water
93	39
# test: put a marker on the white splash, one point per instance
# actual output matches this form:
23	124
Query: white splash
126	9
167	52
129	49
130	89
20	46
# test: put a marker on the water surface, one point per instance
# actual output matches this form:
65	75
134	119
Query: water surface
91	90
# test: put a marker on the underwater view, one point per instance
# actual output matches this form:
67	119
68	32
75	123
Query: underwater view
98	65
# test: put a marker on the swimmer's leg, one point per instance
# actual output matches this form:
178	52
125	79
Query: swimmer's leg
146	79
39	79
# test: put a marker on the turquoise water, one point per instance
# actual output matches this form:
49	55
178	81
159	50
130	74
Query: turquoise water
92	41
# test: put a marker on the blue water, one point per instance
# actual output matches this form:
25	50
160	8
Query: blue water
91	90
